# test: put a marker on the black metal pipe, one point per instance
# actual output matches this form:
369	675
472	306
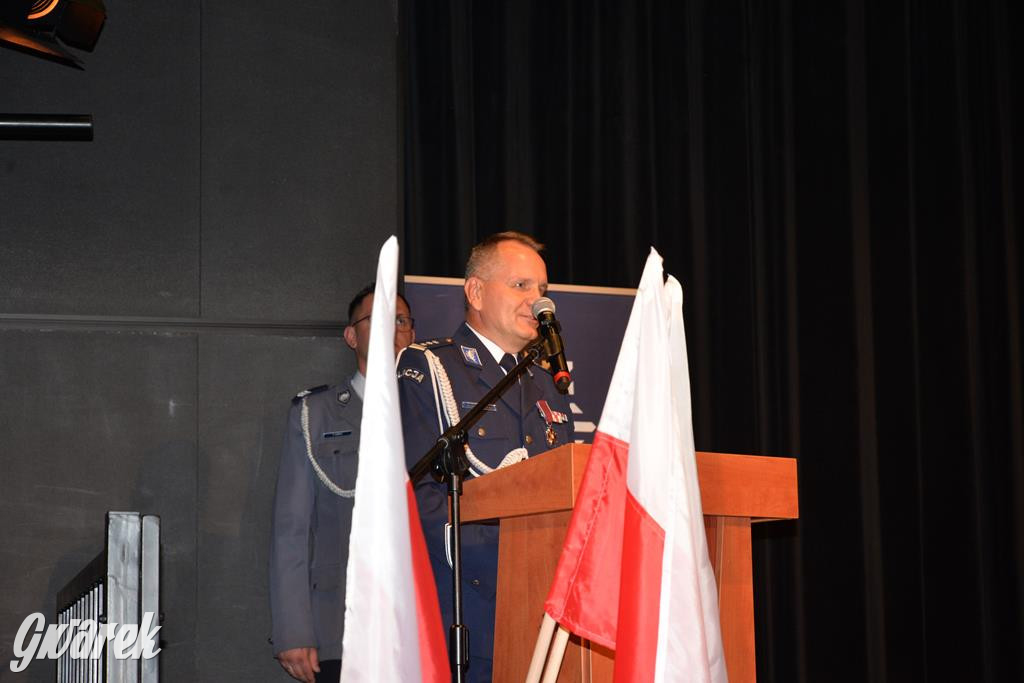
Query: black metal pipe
68	127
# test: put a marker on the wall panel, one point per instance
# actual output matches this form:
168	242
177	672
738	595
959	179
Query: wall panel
298	155
108	227
166	289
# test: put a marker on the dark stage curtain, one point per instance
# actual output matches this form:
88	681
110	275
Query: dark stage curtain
836	187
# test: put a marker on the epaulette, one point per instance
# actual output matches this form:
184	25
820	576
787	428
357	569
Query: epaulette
309	392
431	343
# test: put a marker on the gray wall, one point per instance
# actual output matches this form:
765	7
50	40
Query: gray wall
166	288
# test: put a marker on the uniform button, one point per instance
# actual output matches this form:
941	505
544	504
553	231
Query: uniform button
481	432
529	439
475	582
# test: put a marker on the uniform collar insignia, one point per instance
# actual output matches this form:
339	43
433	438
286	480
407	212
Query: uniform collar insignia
472	356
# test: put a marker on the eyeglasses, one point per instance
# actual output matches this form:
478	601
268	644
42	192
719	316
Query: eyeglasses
402	323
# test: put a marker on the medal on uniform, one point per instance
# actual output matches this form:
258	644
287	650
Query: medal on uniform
551	418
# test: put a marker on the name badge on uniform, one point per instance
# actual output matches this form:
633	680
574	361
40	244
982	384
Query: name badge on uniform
491	408
472	356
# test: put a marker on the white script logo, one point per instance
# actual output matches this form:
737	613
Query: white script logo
85	640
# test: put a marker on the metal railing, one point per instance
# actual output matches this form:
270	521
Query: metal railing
119	586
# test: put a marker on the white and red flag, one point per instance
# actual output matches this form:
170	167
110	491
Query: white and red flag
634	574
393	626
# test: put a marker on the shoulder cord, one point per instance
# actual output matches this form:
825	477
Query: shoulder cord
443	386
334	488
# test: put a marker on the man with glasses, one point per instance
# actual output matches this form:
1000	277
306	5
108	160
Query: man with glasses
313	508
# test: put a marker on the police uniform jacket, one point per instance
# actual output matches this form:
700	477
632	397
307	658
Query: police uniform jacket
511	422
311	524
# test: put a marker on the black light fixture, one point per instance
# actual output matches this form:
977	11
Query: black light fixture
39	27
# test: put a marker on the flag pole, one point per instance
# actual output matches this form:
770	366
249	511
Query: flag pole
557	654
540	650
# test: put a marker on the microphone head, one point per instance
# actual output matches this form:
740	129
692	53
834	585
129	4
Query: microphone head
542	305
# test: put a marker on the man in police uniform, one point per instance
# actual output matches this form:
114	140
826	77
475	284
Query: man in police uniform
313	509
440	379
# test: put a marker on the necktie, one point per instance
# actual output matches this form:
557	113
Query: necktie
508	361
513	395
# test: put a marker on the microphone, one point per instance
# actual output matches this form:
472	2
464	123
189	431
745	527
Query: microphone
544	311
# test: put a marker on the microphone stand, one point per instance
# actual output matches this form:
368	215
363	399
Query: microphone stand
447	458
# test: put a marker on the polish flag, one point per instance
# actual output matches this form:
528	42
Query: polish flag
634	574
393	626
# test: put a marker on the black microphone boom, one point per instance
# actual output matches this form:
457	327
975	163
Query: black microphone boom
544	311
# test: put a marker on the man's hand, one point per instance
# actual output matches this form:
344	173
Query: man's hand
301	663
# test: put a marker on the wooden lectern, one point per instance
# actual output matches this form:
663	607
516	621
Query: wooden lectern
533	501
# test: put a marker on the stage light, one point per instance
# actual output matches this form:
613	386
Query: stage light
34	26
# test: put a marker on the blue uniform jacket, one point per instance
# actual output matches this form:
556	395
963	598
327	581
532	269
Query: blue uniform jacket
506	425
311	524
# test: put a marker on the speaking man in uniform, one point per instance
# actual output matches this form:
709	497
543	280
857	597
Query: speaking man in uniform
439	380
313	509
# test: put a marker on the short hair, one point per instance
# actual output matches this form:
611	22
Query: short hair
362	294
481	254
